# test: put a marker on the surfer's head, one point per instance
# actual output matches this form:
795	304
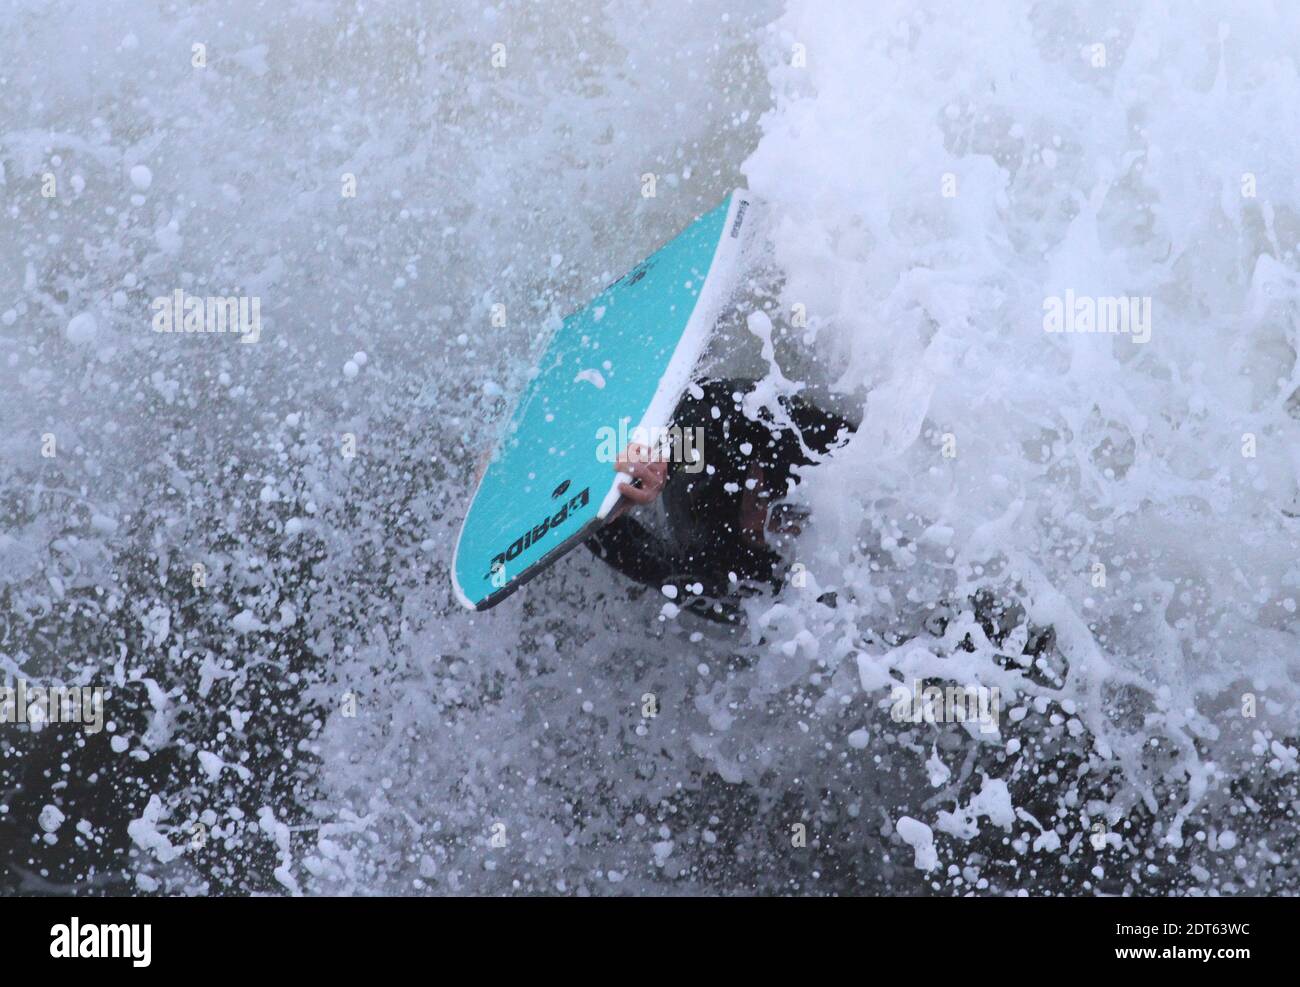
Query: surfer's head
735	502
746	466
737	496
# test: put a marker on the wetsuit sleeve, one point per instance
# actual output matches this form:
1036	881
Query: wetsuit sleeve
626	545
629	547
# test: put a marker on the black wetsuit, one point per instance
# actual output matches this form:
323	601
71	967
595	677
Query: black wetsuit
703	555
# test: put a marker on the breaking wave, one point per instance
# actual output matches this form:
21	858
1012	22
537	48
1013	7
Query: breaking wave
248	544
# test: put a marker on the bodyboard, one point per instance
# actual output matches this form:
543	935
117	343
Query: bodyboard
620	363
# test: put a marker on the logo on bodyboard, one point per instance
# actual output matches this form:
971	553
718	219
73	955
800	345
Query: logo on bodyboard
634	275
536	533
740	218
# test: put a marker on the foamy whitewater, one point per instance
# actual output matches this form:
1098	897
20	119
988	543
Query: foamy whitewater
246	542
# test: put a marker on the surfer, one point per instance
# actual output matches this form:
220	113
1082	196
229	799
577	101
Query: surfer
720	530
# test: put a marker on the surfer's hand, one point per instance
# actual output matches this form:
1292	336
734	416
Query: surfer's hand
648	475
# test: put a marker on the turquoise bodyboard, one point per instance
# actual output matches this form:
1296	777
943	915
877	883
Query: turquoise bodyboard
620	363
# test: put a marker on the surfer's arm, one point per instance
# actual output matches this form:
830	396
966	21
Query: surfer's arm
632	549
625	543
628	546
